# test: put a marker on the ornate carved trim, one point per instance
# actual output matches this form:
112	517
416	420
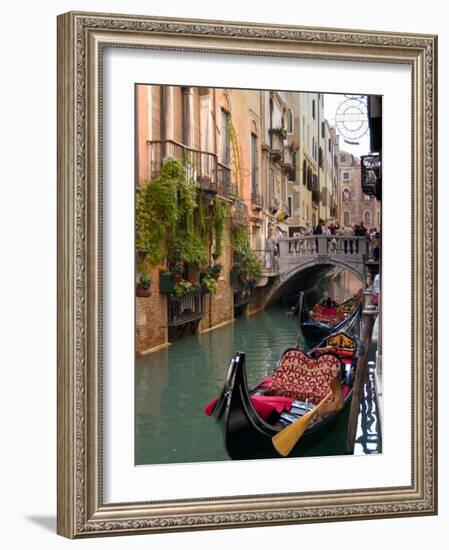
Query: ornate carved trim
393	504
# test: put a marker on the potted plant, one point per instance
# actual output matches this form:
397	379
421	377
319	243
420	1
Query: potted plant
215	271
183	288
209	284
294	147
178	271
143	289
279	131
166	281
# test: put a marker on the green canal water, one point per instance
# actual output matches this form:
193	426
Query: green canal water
174	384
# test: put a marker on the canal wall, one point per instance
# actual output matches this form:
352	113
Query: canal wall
151	318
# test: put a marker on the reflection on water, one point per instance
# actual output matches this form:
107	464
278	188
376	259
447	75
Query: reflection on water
174	384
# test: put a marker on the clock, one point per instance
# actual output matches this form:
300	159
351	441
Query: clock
351	118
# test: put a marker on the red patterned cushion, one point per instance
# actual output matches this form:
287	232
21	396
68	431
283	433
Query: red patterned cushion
301	377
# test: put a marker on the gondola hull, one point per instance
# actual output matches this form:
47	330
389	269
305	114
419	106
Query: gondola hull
248	436
313	330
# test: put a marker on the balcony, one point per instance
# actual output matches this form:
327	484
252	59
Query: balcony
201	167
187	309
277	139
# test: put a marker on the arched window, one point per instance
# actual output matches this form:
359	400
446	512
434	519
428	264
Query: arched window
367	218
346	195
346	220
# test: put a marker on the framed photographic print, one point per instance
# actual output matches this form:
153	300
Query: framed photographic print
247	274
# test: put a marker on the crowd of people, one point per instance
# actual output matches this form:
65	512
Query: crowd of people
354	230
329	229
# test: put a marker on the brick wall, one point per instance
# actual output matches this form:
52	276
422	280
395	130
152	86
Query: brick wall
218	307
151	318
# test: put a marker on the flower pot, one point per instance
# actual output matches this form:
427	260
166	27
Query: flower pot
143	292
166	283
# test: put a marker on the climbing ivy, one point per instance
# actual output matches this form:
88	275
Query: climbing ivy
221	214
158	207
244	256
175	220
237	168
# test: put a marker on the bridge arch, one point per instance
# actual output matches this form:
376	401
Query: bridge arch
328	260
303	260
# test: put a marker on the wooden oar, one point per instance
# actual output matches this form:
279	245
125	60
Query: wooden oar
286	439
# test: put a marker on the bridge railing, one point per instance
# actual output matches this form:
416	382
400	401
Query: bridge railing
322	245
269	260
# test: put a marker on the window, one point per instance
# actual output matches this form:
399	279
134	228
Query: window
346	175
290	121
304	172
346	195
225	135
254	163
329	145
346	219
367	218
342	157
320	157
322	130
290	206
313	109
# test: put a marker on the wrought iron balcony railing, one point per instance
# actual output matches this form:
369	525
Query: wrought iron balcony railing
185	309
201	166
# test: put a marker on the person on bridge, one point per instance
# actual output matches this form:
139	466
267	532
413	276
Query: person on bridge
360	230
348	243
309	229
320	229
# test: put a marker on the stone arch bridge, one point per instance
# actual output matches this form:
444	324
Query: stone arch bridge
310	257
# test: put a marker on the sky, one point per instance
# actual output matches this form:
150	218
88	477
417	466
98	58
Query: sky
331	103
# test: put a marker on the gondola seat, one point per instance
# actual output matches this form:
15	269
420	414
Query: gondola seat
303	378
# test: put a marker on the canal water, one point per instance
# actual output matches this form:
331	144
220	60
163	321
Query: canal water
174	384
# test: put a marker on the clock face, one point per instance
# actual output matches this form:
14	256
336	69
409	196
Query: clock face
351	118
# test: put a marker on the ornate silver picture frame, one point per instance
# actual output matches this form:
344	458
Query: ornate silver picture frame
82	508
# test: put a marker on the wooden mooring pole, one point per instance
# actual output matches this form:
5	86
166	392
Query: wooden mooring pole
361	376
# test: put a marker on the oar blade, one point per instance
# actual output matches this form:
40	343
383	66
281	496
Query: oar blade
286	439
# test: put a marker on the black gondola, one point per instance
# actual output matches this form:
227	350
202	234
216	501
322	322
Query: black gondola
315	325
247	435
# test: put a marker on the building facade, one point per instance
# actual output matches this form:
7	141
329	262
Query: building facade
270	157
355	207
